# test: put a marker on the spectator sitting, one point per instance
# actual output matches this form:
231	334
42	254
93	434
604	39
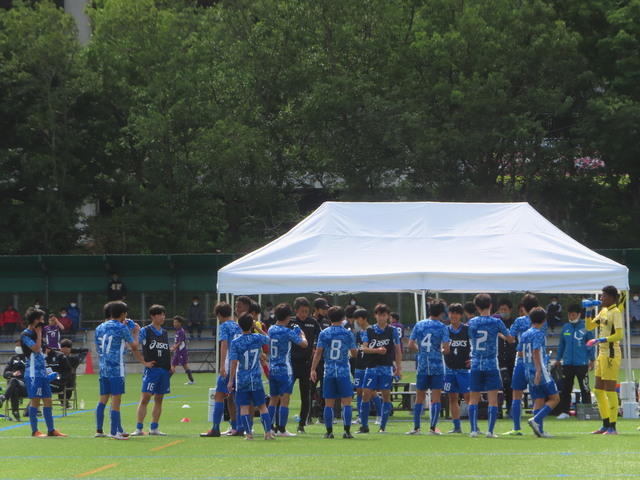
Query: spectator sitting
65	320
554	313
74	314
64	363
16	388
9	319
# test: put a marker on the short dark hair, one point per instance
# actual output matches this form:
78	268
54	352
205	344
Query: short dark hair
52	315
106	309
254	308
361	313
482	301
66	343
574	308
195	297
178	319
349	310
63	309
507	302
470	308
156	310
611	291
395	316
381	308
223	309
301	302
117	308
245	322
537	315
33	315
436	308
244	299
282	311
335	314
456	308
529	302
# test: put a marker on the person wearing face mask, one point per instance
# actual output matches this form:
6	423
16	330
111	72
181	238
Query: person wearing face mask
10	319
195	317
634	310
73	312
116	291
16	388
554	313
576	359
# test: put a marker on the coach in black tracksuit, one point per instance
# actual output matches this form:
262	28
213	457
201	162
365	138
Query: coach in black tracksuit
301	357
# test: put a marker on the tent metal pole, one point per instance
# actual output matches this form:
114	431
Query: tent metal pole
627	347
415	301
424	304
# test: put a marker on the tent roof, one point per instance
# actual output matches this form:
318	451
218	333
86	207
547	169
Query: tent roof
413	246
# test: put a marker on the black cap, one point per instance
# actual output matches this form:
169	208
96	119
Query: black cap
320	304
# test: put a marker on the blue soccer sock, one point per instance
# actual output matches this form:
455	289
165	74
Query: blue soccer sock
435	413
218	412
386	411
358	404
473	417
233	423
492	412
516	413
347	415
328	418
272	412
365	408
377	404
153	426
33	418
541	415
417	415
456	424
246	423
115	421
139	426
265	418
100	415
47	413
284	416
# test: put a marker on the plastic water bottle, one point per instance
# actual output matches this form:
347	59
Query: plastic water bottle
590	303
296	418
82	404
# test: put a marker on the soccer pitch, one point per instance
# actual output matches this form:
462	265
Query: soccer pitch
573	453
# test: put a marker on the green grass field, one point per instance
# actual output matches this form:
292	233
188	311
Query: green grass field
572	453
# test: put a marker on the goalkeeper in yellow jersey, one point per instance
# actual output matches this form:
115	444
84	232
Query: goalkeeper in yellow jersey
609	320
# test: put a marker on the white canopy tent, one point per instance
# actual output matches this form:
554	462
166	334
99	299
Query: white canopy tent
419	246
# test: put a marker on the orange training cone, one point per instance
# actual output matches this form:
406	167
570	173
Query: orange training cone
185	420
89	364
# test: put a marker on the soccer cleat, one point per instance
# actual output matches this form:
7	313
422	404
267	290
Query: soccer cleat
358	422
434	431
473	435
546	435
269	436
611	431
480	432
301	430
100	435
328	435
157	432
513	433
600	431
456	430
2	399
362	429
16	416
286	434
378	421
534	426
382	430
190	383
137	433
415	431
347	435
228	431
211	433
118	436
236	433
39	434
491	435
124	434
248	436
56	433
563	416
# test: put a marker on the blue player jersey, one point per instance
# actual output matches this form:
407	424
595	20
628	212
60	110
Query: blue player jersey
36	366
483	334
336	343
521	325
246	349
110	338
530	341
429	335
280	340
228	331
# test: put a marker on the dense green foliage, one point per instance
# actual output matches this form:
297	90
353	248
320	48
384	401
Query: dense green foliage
195	129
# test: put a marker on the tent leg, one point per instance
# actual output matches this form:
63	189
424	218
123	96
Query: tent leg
424	304
415	301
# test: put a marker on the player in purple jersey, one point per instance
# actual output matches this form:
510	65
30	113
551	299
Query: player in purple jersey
179	349
485	373
52	332
245	375
335	343
281	338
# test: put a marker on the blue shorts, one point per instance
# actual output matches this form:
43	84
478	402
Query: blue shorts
456	381
519	379
376	380
156	380
426	382
111	385
340	387
37	387
280	385
542	390
485	380
358	378
255	397
221	385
